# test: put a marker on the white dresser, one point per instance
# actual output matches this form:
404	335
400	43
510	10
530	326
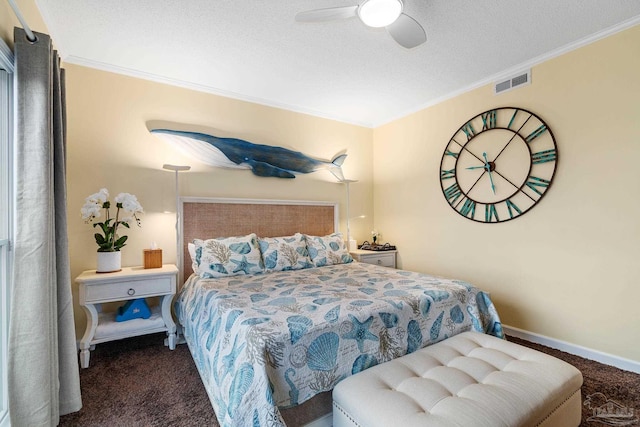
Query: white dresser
383	258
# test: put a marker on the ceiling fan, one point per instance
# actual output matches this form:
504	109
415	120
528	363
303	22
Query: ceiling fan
377	14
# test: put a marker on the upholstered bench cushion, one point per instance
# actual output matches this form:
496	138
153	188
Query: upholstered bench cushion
470	379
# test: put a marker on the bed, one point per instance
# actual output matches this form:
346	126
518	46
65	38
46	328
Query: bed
279	337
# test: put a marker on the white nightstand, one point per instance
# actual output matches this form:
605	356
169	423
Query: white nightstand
384	258
129	283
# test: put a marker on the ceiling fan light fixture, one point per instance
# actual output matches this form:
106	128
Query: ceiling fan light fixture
379	13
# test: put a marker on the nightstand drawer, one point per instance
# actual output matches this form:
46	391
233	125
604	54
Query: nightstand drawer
386	260
128	289
382	258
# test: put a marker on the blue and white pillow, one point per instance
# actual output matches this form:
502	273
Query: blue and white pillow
328	250
230	256
285	253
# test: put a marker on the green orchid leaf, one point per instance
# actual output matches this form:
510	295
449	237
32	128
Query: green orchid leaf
120	242
104	226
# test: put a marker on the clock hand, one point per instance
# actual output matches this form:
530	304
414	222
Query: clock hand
492	186
486	163
488	168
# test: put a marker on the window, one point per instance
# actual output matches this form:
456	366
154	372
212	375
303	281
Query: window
6	217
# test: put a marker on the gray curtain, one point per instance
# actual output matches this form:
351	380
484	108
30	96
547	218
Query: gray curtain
43	375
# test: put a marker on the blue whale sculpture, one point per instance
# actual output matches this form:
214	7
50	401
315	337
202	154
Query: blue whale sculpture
263	160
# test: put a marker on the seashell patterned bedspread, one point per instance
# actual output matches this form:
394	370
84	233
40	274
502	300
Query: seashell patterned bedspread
277	339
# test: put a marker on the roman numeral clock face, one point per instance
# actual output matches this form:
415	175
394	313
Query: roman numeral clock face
498	165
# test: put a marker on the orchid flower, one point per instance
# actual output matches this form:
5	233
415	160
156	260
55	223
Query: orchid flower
109	240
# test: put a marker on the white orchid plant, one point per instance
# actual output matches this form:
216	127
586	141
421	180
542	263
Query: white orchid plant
109	240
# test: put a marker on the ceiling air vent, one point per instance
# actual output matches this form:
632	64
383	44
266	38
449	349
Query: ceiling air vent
513	82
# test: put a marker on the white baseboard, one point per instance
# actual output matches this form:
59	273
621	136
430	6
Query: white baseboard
587	353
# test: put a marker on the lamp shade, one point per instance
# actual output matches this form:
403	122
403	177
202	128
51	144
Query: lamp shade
379	13
175	167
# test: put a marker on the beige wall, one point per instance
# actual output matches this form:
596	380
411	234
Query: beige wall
569	268
109	146
6	23
8	19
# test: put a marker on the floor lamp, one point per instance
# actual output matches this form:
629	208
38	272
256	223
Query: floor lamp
351	244
177	169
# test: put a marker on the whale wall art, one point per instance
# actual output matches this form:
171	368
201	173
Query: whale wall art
263	160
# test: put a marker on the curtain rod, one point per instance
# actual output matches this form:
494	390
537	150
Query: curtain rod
30	36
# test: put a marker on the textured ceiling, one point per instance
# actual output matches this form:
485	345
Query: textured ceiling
256	51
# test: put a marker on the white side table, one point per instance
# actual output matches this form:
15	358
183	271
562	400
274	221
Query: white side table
383	258
129	283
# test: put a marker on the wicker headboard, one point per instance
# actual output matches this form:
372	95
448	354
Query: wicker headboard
206	218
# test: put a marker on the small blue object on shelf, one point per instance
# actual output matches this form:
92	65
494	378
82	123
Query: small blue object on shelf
133	309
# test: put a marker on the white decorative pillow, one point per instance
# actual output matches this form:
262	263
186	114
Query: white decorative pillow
328	250
230	256
285	253
192	253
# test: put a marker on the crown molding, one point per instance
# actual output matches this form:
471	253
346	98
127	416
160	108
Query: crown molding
205	89
371	125
520	67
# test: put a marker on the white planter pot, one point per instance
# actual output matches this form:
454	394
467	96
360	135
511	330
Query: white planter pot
109	262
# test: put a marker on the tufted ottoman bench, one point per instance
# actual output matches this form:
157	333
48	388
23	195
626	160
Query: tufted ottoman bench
471	379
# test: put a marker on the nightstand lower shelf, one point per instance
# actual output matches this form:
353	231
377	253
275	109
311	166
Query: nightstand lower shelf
108	329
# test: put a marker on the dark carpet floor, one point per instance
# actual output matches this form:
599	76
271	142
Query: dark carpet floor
140	382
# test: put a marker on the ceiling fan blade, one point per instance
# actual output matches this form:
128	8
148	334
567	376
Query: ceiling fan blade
330	14
407	32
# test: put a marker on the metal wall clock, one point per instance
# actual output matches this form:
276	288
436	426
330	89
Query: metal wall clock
498	165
